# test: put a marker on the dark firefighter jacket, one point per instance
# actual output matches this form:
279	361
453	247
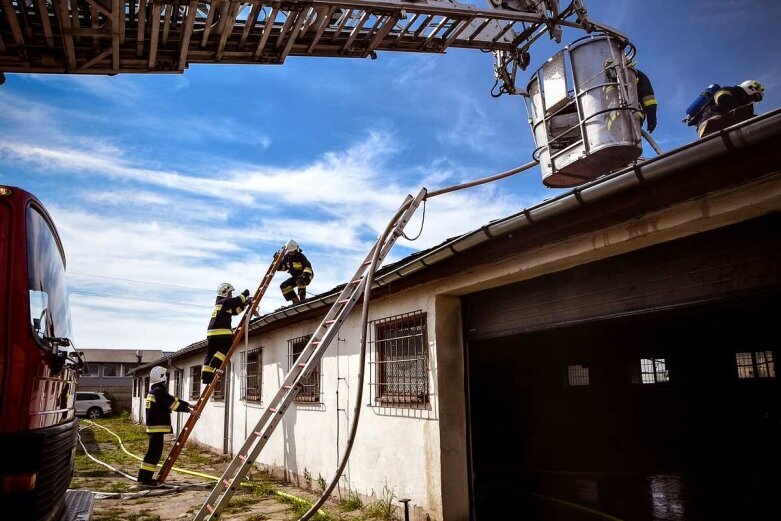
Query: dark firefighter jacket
724	100
296	264
224	309
159	405
645	92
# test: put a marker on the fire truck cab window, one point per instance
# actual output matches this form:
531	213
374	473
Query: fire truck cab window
49	314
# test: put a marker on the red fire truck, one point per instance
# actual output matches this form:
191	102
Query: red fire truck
37	374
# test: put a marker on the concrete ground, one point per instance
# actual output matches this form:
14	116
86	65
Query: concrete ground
266	498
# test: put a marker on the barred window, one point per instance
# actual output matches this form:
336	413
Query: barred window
577	375
756	364
195	382
219	388
252	375
654	370
310	392
146	386
400	357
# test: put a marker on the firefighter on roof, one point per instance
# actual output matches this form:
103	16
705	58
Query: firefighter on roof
724	101
300	269
159	405
220	335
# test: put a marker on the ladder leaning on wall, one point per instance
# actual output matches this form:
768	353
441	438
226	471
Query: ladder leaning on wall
303	366
204	398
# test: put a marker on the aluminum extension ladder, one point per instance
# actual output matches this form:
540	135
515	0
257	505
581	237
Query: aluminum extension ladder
313	351
201	403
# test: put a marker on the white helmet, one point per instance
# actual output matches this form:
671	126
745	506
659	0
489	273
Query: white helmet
157	375
753	88
291	246
224	288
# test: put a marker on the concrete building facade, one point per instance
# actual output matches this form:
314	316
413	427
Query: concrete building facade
107	369
573	356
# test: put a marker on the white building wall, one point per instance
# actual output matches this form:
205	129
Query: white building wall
397	446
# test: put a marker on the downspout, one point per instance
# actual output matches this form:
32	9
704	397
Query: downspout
226	378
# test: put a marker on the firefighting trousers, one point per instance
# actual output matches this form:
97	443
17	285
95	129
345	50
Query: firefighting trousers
217	349
152	458
300	282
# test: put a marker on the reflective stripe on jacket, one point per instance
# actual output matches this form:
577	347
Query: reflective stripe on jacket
224	309
159	406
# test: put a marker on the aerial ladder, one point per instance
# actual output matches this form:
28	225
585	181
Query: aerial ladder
241	331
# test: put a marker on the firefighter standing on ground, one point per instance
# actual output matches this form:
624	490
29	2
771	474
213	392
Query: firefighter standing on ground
220	335
159	405
727	99
300	270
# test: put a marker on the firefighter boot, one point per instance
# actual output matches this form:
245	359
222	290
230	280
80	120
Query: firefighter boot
294	299
301	294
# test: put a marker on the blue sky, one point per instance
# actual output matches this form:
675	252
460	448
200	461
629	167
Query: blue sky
192	180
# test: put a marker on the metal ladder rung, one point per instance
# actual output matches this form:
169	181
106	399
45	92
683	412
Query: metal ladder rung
226	483
303	364
210	508
344	301
242	457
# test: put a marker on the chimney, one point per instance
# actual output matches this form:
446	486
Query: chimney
138	355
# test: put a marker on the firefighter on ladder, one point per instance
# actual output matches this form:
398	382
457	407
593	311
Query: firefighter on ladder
300	270
159	406
219	334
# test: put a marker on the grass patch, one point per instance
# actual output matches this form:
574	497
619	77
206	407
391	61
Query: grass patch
351	503
76	483
301	507
256	517
119	487
382	509
117	514
240	504
263	489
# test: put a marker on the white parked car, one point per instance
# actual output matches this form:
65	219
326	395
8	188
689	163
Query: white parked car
92	405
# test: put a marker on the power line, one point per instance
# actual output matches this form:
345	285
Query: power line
134	281
139	299
139	281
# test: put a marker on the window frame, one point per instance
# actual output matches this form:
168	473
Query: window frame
769	365
119	372
313	396
420	394
659	376
195	382
244	395
575	380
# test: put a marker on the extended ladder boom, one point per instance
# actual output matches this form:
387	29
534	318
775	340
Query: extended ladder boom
204	398
302	367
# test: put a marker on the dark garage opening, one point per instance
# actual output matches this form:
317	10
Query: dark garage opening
665	416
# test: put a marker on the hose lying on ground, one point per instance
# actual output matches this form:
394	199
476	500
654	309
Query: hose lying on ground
168	488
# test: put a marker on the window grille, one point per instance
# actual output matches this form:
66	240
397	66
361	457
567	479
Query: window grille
577	375
654	370
756	364
252	375
310	391
399	355
195	382
219	388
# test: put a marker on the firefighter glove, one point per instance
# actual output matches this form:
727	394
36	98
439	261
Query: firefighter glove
650	113
245	293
